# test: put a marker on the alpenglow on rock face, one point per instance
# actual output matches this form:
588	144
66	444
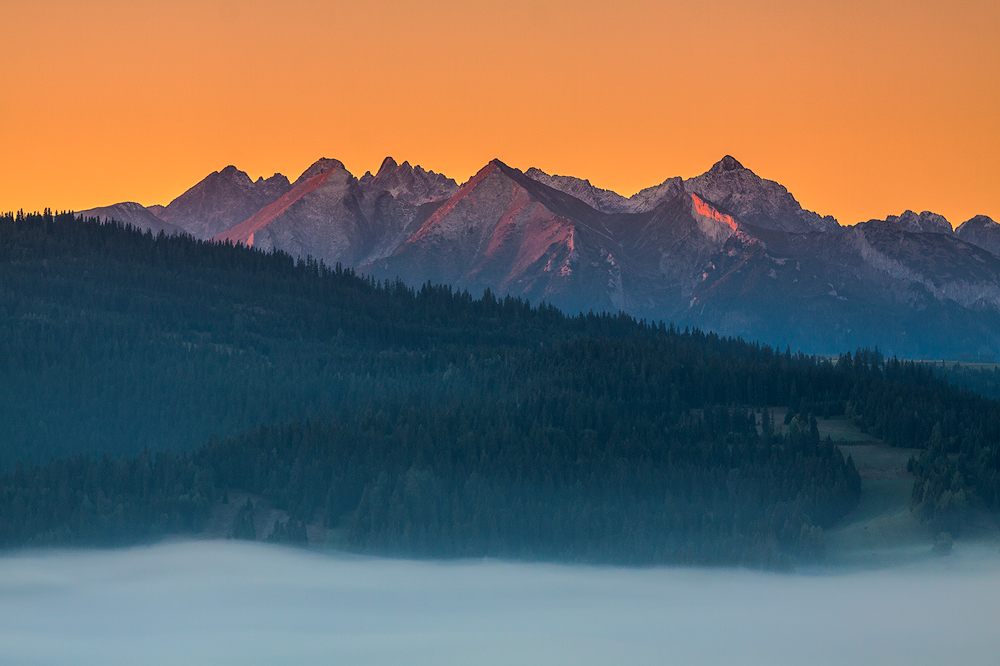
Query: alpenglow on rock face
728	185
754	200
726	250
220	201
507	232
329	214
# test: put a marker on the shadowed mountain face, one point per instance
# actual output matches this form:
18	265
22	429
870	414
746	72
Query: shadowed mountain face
915	295
220	201
981	231
726	250
130	212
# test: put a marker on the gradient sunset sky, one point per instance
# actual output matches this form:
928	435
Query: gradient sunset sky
861	108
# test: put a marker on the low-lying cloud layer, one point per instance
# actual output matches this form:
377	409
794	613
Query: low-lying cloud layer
234	603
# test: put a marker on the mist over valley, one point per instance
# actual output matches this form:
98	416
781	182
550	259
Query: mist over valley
235	603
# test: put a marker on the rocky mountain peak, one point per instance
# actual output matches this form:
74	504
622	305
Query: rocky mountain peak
754	200
727	163
982	231
982	221
414	185
322	165
608	201
276	178
221	200
649	198
605	201
232	173
388	166
536	173
922	223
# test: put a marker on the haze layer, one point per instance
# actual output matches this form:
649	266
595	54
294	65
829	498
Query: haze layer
229	603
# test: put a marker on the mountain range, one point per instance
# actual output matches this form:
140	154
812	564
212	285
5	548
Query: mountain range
726	250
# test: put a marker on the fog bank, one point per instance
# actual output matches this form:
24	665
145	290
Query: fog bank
238	603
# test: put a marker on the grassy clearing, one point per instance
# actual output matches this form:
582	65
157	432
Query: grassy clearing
841	430
881	531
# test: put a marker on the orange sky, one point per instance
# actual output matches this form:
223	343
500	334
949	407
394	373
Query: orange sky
861	108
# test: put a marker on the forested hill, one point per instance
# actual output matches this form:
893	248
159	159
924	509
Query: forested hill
143	378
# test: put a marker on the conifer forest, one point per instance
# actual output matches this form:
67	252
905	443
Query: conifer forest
145	379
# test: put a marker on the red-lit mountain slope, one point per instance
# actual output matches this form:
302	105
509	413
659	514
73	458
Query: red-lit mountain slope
221	200
505	231
330	215
754	200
